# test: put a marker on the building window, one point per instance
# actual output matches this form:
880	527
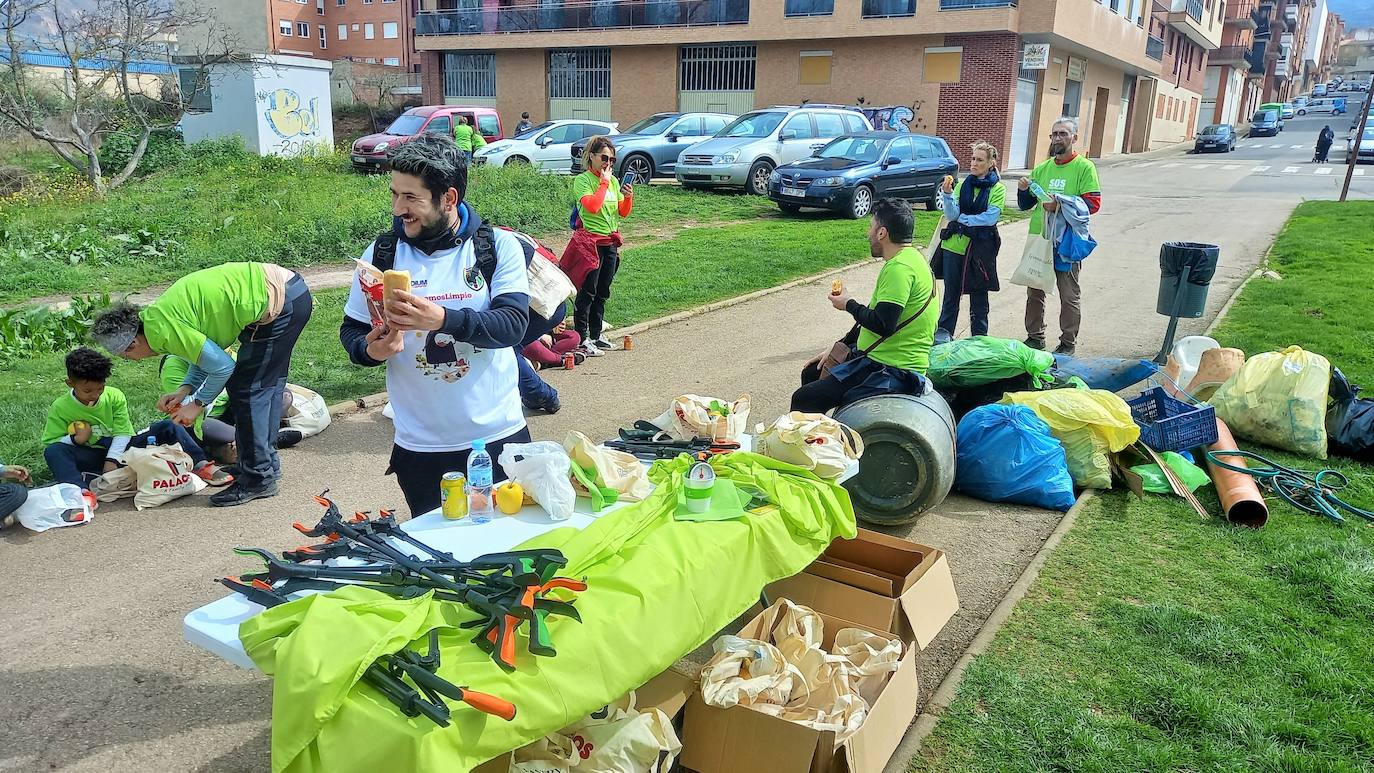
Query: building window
717	68
1159	106
319	7
470	75
808	8
324	37
284	27
369	32
302	29
1073	96
388	1
389	30
340	3
355	26
392	61
342	32
195	88
367	2
815	68
877	9
580	73
942	64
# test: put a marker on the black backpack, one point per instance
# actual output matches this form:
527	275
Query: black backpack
483	241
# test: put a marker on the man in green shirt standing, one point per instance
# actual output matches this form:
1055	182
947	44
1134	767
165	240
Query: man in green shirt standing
262	306
892	335
467	138
1066	173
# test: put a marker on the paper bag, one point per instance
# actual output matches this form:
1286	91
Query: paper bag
164	473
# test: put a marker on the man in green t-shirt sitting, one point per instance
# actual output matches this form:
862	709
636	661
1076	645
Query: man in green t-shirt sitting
892	335
1066	173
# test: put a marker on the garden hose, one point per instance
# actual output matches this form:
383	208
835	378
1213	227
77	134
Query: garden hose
1310	492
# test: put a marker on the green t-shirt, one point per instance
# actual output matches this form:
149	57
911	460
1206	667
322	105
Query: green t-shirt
1075	178
172	372
905	279
214	303
997	197
109	417
607	221
467	138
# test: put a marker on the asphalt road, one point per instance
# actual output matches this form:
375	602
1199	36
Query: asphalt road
95	675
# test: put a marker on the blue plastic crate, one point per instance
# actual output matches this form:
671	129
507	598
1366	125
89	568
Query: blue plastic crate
1169	424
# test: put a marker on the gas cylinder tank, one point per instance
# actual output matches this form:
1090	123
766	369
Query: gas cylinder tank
908	462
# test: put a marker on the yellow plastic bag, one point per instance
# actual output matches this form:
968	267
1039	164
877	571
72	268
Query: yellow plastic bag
1279	399
1091	423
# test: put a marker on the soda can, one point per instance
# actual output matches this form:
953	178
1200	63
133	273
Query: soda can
569	361
453	495
627	343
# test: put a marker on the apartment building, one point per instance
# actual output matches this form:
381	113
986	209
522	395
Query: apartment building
1320	54
373	31
1187	31
1000	70
1287	43
1235	74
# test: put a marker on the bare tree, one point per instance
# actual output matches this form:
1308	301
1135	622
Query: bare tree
375	89
104	46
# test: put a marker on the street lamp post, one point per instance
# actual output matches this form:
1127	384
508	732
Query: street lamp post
1355	148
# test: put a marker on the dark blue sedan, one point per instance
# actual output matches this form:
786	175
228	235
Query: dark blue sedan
855	170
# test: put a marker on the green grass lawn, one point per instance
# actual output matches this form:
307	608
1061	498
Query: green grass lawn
1154	640
658	276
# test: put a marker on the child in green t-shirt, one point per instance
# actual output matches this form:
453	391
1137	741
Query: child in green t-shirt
88	428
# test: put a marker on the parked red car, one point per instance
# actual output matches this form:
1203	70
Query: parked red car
369	153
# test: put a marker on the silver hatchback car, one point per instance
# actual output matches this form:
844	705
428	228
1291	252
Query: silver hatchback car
745	153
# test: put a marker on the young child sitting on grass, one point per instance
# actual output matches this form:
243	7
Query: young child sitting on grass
88	429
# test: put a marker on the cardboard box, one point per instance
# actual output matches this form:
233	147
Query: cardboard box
667	692
880	582
742	740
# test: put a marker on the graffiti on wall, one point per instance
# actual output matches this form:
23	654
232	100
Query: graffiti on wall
295	121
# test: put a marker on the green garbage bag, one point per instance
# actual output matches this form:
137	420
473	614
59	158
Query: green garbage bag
1152	477
981	360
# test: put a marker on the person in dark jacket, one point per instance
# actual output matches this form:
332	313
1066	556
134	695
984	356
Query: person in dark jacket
967	257
1324	140
447	345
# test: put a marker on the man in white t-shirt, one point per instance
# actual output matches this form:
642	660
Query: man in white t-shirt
451	372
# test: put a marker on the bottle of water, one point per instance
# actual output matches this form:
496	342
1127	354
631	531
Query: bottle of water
479	483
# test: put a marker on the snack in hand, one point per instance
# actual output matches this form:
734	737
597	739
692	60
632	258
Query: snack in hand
836	287
393	280
949	179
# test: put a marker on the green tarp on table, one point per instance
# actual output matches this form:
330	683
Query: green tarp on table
658	589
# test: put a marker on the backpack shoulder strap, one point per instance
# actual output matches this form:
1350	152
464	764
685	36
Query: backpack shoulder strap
384	251
484	243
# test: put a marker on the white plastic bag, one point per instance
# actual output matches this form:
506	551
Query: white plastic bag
45	507
541	469
308	415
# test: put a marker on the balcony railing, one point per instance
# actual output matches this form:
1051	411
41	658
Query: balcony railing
879	9
569	15
958	5
1154	48
1257	56
1240	12
808	8
1192	7
1238	56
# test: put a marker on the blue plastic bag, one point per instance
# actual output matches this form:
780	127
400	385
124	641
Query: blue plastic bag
1007	454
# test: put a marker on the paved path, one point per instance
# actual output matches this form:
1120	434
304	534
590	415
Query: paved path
97	678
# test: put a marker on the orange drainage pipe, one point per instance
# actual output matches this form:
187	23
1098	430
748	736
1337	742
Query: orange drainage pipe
1240	495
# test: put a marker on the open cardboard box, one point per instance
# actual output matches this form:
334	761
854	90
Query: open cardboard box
742	740
667	692
880	582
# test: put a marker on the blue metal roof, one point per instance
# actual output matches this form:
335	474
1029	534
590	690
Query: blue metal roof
55	59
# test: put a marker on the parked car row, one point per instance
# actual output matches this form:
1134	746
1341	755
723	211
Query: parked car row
369	152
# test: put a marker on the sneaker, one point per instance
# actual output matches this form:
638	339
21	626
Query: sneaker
602	343
289	437
1035	343
579	356
240	494
591	350
942	336
213	475
1064	349
551	407
8	521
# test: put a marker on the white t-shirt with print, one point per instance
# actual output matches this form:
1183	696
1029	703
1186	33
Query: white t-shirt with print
447	393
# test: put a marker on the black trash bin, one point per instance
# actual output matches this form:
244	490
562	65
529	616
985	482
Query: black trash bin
1180	296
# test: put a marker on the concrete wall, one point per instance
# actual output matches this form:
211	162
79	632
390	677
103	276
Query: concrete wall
277	105
232	113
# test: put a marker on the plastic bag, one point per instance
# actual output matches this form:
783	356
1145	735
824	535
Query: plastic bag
1008	454
45	507
1152	477
1090	423
1279	399
691	416
308	415
1350	420
982	360
812	441
614	469
164	473
1109	373
541	469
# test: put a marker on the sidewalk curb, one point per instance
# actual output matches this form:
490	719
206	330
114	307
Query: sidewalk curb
373	401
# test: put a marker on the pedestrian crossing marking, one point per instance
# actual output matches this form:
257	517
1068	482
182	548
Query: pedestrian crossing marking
1260	169
1324	170
1295	147
1147	163
1230	166
1199	166
1359	172
1276	146
1290	170
1173	165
